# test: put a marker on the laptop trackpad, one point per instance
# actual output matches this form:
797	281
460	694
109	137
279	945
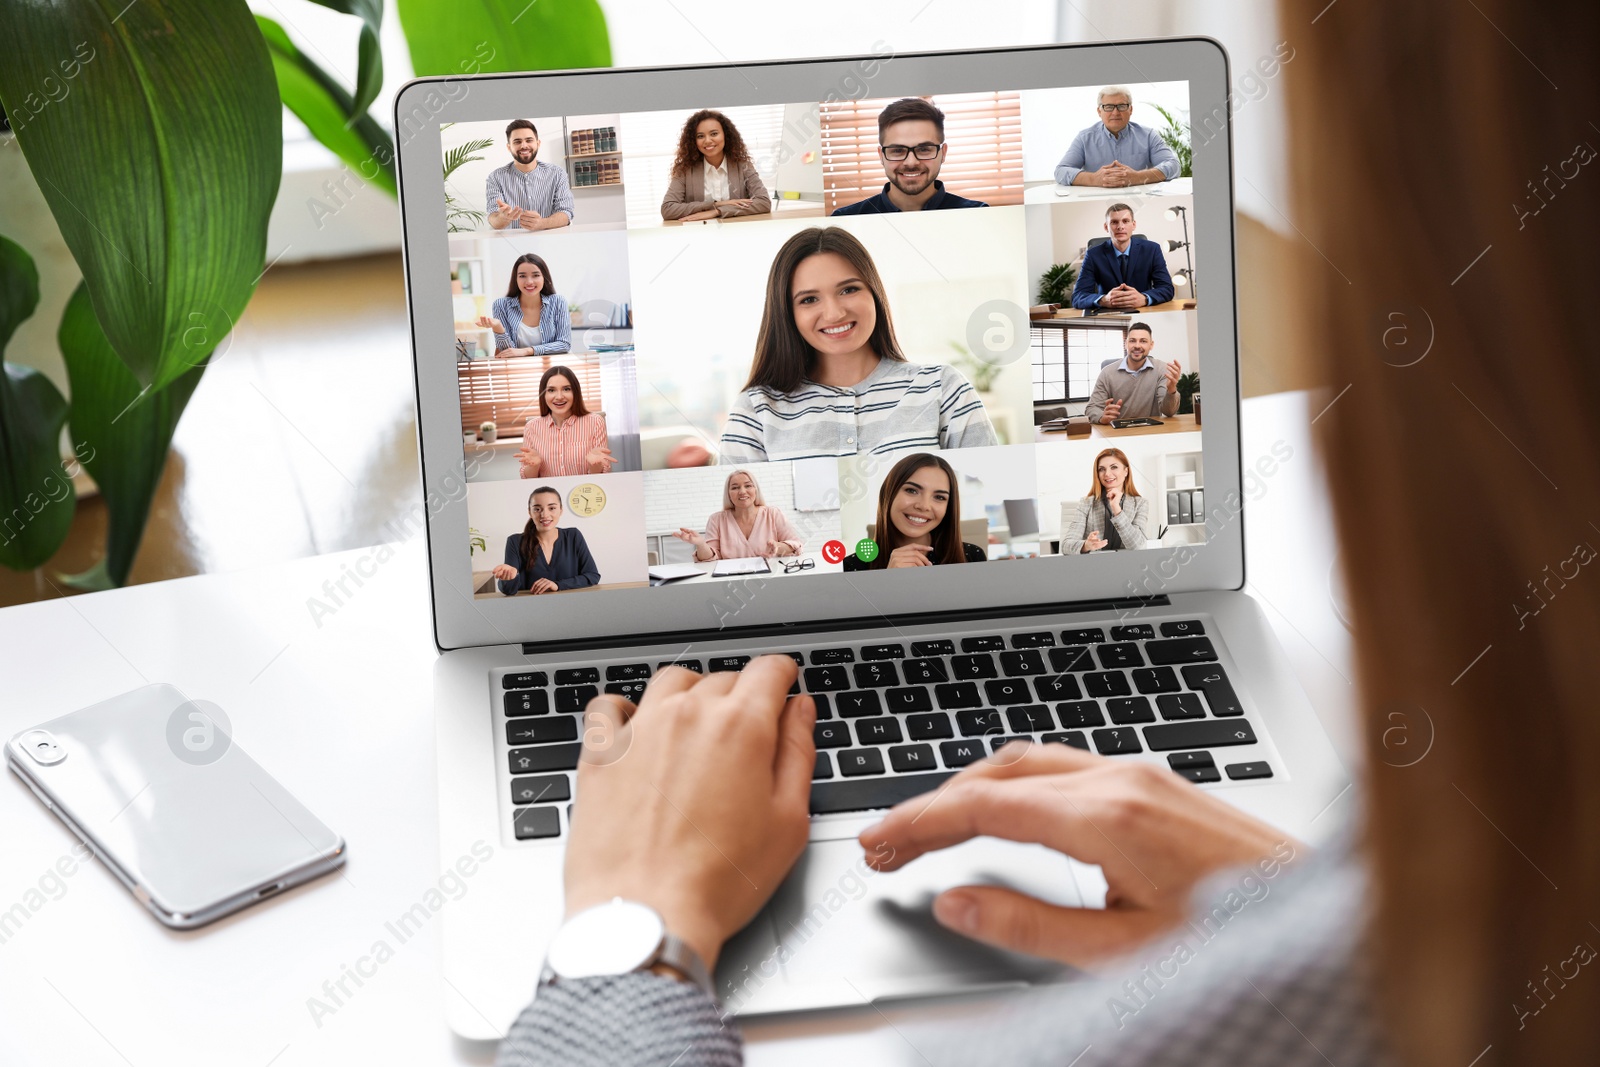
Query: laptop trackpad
844	934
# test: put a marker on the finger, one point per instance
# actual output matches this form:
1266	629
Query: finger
668	681
796	755
612	708
1020	923
763	684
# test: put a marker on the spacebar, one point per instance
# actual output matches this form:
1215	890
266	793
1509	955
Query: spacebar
868	793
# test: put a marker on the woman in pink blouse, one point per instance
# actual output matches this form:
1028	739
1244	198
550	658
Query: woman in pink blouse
746	526
565	437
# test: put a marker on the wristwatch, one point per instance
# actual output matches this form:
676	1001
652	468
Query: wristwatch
620	937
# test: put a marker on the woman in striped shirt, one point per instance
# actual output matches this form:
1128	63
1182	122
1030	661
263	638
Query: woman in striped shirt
565	437
829	378
532	319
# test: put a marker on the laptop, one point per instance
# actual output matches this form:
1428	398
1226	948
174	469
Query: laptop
1135	641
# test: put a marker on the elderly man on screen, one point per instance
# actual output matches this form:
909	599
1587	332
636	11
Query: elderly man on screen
1116	151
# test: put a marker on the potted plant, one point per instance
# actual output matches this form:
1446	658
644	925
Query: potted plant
477	543
576	310
1055	284
488	432
1176	135
1188	385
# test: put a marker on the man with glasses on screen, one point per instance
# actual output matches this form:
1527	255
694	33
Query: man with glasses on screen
911	146
1116	151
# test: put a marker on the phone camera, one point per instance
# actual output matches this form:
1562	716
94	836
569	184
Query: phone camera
42	746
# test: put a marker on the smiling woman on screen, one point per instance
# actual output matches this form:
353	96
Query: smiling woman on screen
746	526
919	518
565	437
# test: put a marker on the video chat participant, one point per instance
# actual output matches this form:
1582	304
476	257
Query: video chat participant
712	175
565	437
1116	151
1124	272
746	526
546	557
1112	516
526	192
912	149
829	378
532	319
1138	386
919	518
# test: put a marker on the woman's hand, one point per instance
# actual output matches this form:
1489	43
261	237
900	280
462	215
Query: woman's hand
1153	834
683	533
529	462
697	216
1114	501
706	851
1094	543
485	322
781	548
600	460
505	572
911	556
544	585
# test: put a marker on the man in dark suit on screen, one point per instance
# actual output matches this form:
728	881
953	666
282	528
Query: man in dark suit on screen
1125	272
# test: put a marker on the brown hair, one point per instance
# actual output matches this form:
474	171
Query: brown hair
1477	647
946	536
530	532
908	109
689	154
520	124
783	357
549	288
1114	208
578	408
1121	457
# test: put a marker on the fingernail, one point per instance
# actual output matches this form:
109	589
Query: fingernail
958	911
871	831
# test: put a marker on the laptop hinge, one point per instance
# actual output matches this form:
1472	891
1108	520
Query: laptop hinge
1130	606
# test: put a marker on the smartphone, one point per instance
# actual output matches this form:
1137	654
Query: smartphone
154	783
1123	424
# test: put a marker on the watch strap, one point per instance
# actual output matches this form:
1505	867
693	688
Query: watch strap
677	954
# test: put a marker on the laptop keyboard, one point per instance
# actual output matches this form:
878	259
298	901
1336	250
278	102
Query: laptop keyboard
897	719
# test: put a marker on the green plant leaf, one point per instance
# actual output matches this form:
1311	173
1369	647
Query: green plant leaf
369	60
36	495
120	438
324	106
474	36
154	132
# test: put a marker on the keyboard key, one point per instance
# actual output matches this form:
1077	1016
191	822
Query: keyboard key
1076	658
575	697
872	793
1107	684
1004	691
929	727
1152	680
633	691
1038	639
823	710
983	644
978	666
1082	637
1057	687
1211	681
925	671
1138	631
831	734
541	789
1180	650
908	758
1180	706
721	664
1201	775
1186	628
539	731
876	675
563	757
1179	760
686	664
578	676
855	704
627	672
997	743
531	823
525	680
1241	771
826	679
871	652
1117	741
1125	711
1018	664
953	695
1080	713
833	655
973	723
799	660
961	753
855	762
1120	656
1073	738
1207	733
933	648
527	702
823	768
912	698
1029	718
880	731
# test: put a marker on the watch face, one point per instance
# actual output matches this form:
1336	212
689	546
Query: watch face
613	938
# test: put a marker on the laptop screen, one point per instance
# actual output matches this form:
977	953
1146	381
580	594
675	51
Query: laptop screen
795	339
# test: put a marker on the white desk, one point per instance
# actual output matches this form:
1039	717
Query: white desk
708	569
1051	193
340	713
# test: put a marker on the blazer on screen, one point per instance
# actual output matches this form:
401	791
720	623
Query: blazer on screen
687	194
1102	273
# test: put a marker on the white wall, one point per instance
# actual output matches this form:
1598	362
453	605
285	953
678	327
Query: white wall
500	509
1051	118
679	498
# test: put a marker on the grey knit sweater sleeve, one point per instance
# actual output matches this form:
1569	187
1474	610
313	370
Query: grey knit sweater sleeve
1267	972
